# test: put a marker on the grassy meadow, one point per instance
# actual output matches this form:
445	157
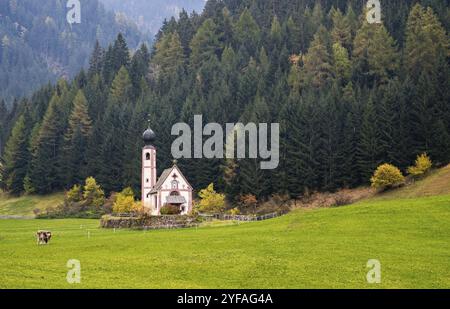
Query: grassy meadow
320	248
24	205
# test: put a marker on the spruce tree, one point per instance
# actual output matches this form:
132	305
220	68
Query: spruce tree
205	44
121	88
96	61
247	34
76	141
45	168
169	56
342	66
317	62
16	157
3	116
369	149
426	41
342	32
375	54
139	69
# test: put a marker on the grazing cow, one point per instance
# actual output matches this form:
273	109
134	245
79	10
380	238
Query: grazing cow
43	237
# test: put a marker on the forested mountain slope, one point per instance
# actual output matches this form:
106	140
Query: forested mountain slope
38	45
150	15
348	95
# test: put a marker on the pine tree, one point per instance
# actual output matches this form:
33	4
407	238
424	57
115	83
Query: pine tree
121	88
169	55
116	57
75	143
16	157
331	128
254	180
369	147
293	32
375	54
342	66
95	63
342	32
248	85
426	41
247	34
45	169
396	122
96	96
317	16
205	44
121	54
289	174
3	117
317	62
352	20
440	143
112	149
139	69
275	37
186	31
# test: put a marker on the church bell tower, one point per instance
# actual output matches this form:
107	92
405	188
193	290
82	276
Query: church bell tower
148	168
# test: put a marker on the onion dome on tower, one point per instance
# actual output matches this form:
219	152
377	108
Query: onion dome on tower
149	136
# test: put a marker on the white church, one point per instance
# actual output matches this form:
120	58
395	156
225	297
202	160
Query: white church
172	188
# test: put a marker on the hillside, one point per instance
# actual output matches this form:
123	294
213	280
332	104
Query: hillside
24	206
325	248
150	15
436	183
38	45
348	95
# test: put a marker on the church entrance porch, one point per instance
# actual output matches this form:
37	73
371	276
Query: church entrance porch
177	200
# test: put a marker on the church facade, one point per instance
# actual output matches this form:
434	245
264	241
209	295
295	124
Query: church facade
172	188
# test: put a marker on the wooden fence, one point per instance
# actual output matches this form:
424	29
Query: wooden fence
242	217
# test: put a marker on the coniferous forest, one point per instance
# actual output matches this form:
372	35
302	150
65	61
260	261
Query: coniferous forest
348	95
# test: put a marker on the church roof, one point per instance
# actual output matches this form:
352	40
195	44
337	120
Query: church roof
166	173
161	179
175	199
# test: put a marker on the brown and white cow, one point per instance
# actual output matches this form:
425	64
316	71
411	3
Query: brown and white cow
43	237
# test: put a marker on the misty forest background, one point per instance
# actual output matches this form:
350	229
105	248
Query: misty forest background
348	96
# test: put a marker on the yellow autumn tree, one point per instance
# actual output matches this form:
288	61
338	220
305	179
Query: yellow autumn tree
387	175
210	200
75	194
93	194
125	202
423	165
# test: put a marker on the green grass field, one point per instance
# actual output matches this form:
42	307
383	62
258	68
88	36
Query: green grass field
322	248
24	205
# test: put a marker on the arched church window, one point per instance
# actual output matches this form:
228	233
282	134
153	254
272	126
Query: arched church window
147	156
174	193
175	184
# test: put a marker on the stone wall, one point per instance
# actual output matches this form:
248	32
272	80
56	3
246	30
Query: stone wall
148	222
